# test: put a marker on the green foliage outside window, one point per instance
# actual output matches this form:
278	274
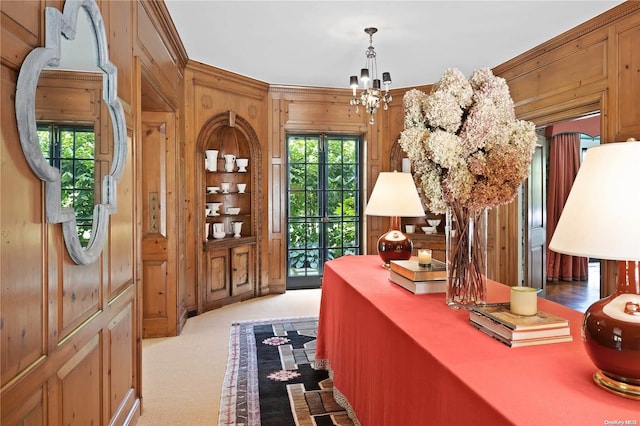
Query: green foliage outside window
71	149
306	208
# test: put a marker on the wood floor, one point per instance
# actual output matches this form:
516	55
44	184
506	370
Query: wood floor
578	295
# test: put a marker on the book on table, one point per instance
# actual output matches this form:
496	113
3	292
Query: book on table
501	313
418	287
412	270
499	328
522	342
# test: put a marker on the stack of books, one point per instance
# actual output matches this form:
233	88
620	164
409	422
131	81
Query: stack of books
513	330
419	279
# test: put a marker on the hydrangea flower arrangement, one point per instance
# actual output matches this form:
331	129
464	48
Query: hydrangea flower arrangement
468	153
464	142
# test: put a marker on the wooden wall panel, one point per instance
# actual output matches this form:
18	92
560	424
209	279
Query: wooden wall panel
80	297
31	412
22	305
54	313
120	344
121	253
628	82
21	22
118	17
79	386
154	299
151	47
585	65
276	177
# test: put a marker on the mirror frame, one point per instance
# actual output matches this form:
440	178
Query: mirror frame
58	25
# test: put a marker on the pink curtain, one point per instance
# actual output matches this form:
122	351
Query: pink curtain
564	162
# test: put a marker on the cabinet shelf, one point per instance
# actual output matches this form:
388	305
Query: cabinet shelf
224	215
224	172
229	193
228	241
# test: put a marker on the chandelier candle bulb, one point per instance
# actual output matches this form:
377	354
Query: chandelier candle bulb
524	300
424	257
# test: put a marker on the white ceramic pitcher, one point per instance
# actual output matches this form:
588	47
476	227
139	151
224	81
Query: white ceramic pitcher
229	162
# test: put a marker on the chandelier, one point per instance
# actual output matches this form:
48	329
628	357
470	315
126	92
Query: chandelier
371	94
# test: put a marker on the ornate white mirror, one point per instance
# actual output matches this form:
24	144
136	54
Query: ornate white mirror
78	152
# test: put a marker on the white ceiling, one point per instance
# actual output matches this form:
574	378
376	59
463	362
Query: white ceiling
322	43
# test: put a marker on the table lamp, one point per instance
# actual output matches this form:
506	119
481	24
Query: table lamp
394	195
601	219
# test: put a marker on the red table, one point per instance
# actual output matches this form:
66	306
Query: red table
405	359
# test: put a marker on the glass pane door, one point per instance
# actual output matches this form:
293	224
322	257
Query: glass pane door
324	206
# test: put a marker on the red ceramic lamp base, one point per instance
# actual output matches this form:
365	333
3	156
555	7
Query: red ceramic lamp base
394	244
611	330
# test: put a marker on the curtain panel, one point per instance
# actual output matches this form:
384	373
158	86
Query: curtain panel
564	162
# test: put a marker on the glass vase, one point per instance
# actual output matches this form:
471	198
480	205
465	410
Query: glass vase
466	249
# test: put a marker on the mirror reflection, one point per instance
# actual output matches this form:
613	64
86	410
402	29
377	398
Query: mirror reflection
66	126
72	125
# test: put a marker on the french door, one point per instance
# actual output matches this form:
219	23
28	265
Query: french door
324	204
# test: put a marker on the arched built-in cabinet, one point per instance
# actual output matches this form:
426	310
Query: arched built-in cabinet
227	195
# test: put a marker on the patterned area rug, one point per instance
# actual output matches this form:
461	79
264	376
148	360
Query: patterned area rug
271	380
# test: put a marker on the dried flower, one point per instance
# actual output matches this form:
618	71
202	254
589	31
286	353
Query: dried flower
465	143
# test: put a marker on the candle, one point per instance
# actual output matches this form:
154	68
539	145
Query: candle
524	300
424	257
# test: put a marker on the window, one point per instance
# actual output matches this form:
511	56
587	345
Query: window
324	205
71	149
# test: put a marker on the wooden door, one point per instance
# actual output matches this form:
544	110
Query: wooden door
536	219
216	278
242	277
159	225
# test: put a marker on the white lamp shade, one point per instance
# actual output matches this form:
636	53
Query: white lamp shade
394	194
601	218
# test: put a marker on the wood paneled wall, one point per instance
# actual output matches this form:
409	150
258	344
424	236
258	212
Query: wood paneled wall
210	91
593	67
70	334
158	70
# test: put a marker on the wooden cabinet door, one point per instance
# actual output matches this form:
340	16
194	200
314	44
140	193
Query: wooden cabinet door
216	277
242	276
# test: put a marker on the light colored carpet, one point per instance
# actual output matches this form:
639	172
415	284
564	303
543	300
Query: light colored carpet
182	376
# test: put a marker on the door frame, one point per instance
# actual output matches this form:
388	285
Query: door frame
315	281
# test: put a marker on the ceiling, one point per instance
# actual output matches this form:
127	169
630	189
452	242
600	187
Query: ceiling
322	43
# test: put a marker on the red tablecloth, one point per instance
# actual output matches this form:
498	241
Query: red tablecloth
405	359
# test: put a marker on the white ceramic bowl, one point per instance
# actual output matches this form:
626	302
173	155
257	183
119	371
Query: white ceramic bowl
429	229
434	222
232	210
